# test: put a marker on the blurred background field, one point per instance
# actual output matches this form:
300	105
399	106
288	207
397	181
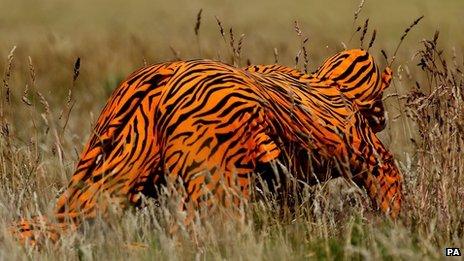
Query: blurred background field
114	37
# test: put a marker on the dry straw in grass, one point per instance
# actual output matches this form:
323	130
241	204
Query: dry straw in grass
384	54
69	101
276	55
198	22
355	18
221	29
197	30
302	50
240	46
32	75
364	32
358	11
236	50
437	113
175	53
7	74
232	42
371	43
5	109
405	33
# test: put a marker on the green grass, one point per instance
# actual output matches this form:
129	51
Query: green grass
425	128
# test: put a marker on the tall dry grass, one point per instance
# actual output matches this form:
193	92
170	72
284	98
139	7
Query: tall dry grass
50	100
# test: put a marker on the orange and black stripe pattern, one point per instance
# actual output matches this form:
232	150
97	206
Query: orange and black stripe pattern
207	123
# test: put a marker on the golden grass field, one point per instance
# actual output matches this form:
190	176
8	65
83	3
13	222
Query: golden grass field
41	40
